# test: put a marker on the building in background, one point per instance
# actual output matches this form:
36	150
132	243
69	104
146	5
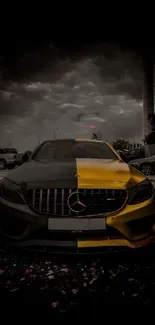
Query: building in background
149	101
148	92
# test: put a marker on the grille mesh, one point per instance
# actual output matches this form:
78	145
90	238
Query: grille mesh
97	201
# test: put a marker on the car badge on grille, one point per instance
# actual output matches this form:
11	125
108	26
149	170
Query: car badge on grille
76	201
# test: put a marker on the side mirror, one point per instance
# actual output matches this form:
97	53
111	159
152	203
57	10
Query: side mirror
123	157
25	157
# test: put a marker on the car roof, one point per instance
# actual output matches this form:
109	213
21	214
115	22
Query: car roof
9	148
76	140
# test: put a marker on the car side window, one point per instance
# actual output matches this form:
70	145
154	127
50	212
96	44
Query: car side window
142	153
46	152
133	152
10	151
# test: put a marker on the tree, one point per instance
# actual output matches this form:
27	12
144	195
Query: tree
120	144
151	119
94	136
150	138
145	139
97	136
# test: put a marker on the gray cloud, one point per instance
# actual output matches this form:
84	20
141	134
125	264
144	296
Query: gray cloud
72	95
124	70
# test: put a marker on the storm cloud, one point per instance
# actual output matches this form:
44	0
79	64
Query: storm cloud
70	94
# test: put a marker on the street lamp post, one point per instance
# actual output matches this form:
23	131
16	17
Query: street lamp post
54	135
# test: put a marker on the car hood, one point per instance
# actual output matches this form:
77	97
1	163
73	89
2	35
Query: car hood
91	173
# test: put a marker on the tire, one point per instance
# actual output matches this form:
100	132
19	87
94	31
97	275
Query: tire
2	164
146	169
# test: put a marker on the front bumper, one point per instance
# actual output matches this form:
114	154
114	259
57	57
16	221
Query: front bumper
131	227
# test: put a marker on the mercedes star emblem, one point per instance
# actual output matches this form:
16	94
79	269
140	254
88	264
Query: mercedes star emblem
76	202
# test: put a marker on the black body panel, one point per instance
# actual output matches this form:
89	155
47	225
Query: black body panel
54	175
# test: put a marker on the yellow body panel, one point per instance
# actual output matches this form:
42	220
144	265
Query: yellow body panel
109	173
115	242
115	174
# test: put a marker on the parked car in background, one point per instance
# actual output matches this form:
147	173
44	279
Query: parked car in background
145	165
18	158
22	157
137	153
7	157
26	156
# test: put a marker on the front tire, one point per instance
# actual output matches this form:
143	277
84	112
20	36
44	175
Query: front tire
146	169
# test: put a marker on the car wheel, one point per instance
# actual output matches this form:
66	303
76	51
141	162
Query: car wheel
146	169
2	164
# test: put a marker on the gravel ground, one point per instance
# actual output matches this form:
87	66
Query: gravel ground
70	285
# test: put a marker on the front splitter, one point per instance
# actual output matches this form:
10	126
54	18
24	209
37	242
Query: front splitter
80	246
118	242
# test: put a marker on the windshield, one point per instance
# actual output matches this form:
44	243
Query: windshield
63	150
10	150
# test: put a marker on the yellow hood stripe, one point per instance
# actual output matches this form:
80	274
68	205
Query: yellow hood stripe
101	173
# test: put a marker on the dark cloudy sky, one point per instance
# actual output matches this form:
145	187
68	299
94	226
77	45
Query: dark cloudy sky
41	92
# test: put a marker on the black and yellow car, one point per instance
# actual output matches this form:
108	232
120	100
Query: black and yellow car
77	195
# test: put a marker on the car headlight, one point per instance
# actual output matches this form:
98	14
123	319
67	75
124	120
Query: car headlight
11	191
141	192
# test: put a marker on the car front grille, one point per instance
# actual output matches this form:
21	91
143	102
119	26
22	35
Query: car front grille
97	201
